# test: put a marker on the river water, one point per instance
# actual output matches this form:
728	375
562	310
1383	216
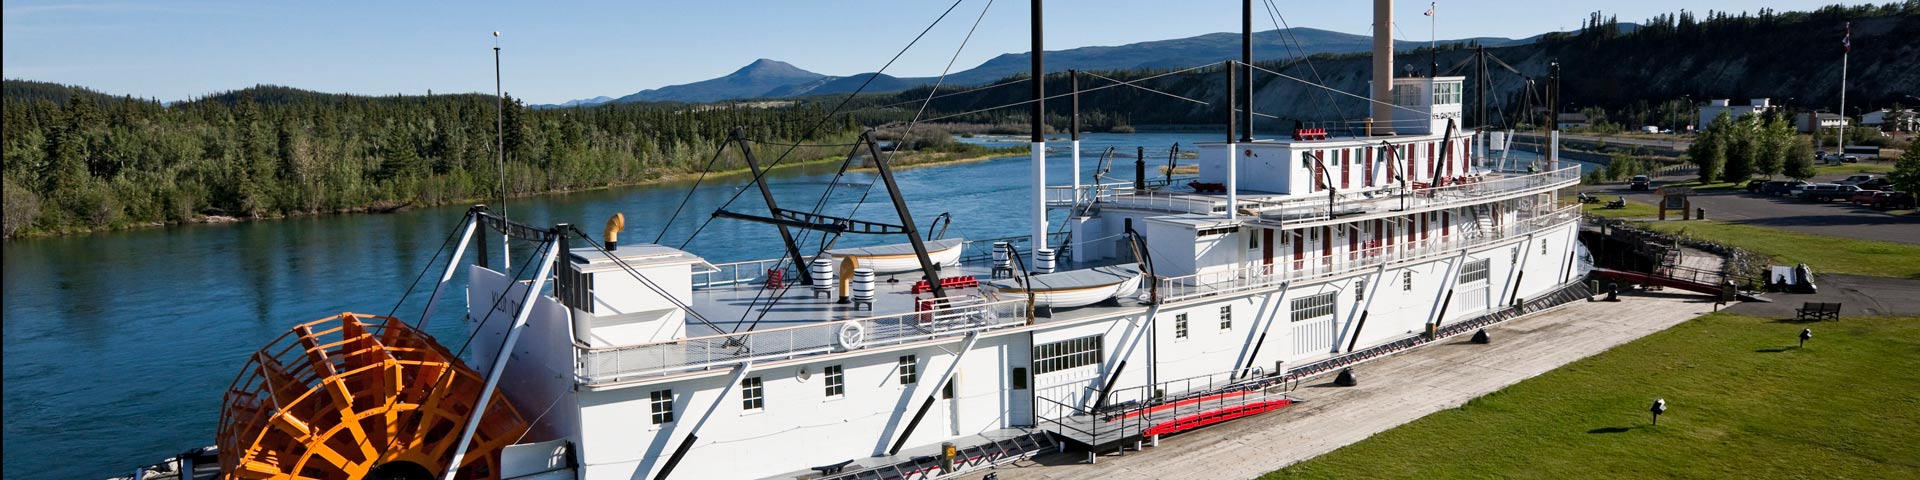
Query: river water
118	345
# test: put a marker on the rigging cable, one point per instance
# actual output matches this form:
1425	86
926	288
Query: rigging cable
818	206
1273	14
830	114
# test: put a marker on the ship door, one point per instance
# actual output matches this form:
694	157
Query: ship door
1266	247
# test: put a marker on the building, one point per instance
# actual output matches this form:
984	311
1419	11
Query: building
1569	121
1713	108
1887	119
1806	123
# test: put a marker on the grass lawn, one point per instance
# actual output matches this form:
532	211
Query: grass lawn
1634	209
1824	253
1743	402
1874	168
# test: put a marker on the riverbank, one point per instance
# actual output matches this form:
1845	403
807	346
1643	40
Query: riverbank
901	161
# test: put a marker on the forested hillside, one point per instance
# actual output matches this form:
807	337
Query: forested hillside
76	159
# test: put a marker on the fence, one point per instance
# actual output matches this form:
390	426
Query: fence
609	364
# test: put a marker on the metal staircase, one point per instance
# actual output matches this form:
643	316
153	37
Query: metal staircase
967	459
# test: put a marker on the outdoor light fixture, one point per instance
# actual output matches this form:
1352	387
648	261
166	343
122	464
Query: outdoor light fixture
1659	407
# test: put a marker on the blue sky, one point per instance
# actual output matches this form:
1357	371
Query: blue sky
560	51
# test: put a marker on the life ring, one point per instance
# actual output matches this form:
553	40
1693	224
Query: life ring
852	335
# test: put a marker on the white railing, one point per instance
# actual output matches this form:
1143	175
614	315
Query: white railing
1252	277
1315	207
736	273
604	365
1067	195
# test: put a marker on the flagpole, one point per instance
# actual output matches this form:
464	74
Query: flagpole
1841	144
1433	19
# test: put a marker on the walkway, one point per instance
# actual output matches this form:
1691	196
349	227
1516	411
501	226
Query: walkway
1392	391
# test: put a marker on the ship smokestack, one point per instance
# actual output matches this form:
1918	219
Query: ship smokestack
1382	65
614	225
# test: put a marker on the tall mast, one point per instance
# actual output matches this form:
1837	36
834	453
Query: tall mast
1073	82
1039	140
1246	69
500	148
1383	64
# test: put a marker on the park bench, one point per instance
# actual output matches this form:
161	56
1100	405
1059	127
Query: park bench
832	469
1818	311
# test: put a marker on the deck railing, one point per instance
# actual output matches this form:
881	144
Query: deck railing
1251	277
1315	207
602	365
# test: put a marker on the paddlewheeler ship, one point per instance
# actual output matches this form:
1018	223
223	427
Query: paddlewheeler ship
1163	308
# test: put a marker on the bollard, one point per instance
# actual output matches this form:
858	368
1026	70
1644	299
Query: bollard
947	461
1346	378
1593	287
1481	337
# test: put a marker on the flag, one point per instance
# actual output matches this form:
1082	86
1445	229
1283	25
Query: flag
1846	42
1430	9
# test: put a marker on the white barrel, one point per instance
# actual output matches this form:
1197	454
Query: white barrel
863	285
1003	255
1043	260
822	271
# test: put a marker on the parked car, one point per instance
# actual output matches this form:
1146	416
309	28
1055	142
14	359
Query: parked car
1753	186
1893	201
1836	159
1640	182
1808	190
1780	187
1855	180
1830	193
1879	183
1863	197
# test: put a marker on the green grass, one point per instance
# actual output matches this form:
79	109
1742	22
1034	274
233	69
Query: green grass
1634	209
1874	168
1824	253
1743	402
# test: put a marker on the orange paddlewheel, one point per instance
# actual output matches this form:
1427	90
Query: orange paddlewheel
359	397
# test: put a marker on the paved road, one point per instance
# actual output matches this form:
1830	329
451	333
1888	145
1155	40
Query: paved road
1837	219
1392	391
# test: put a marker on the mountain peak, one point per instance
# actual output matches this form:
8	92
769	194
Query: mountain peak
769	68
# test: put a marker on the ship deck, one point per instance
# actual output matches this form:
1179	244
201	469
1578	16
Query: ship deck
745	306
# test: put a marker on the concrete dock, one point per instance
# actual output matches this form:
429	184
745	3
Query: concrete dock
1392	391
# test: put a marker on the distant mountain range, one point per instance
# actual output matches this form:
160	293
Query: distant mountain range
766	78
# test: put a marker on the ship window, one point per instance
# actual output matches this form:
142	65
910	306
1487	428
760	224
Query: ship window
662	406
1447	93
946	392
1313	307
1019	378
1475	271
1360	290
1216	231
753	395
909	370
836	381
1406	281
1180	326
1226	317
1543	247
1065	354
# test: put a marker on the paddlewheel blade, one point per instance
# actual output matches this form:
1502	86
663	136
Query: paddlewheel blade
359	397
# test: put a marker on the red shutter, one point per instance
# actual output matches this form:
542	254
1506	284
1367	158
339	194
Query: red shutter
1326	245
1429	157
1369	158
1299	238
1446	227
1353	241
1410	225
1345	175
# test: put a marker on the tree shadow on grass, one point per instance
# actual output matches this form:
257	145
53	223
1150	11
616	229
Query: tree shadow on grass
1612	430
1797	320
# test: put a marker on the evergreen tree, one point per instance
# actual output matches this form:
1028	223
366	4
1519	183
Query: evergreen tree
1799	161
1906	172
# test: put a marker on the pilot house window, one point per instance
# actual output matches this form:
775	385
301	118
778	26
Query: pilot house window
1065	354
